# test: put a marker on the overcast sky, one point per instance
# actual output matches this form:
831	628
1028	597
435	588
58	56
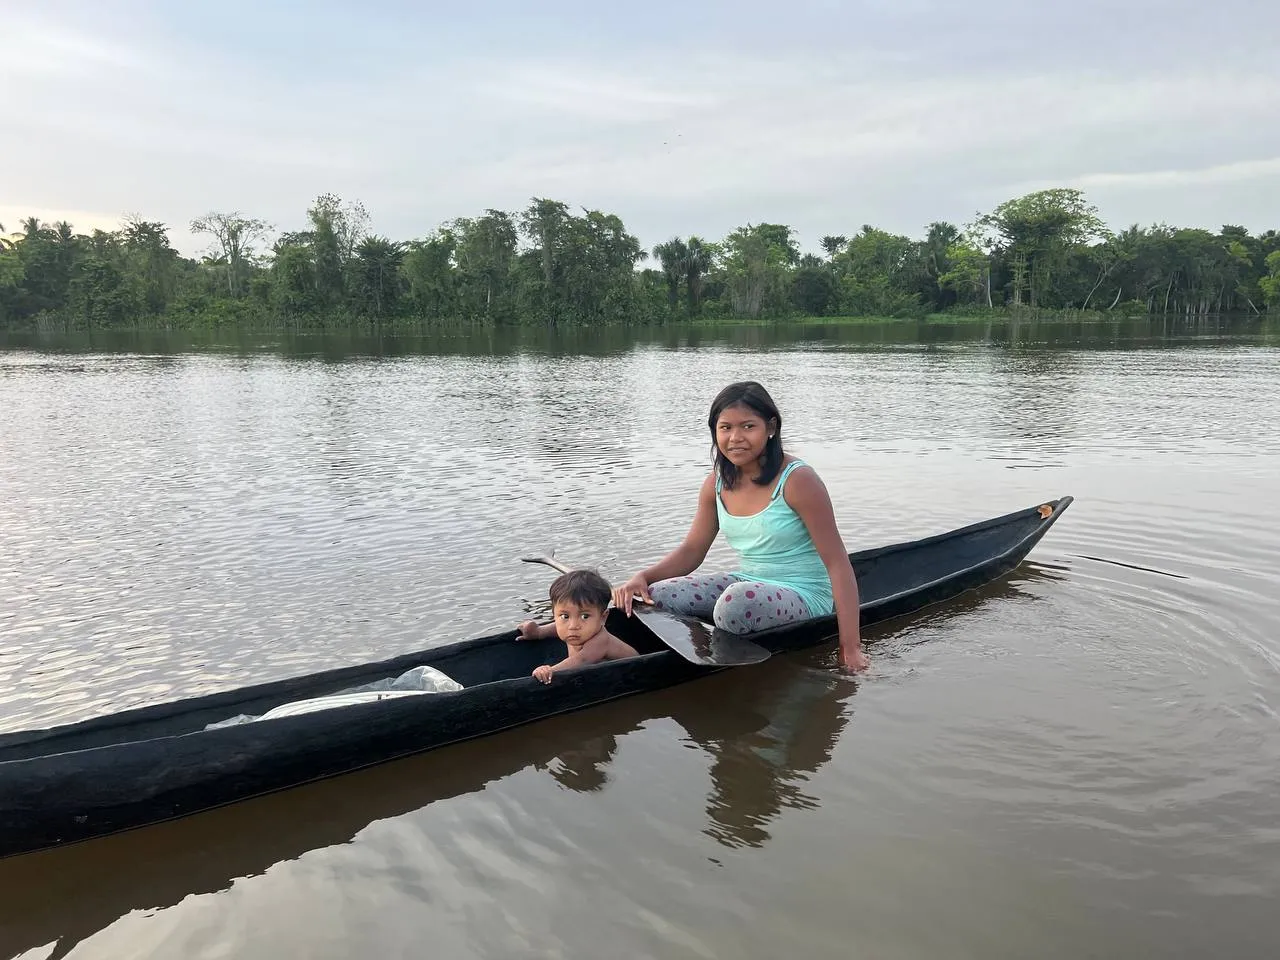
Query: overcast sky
681	117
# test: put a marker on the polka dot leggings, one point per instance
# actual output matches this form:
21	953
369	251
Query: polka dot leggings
734	604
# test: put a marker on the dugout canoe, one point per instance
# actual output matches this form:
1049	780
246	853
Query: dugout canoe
73	782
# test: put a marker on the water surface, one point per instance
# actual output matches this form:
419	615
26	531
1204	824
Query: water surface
1079	760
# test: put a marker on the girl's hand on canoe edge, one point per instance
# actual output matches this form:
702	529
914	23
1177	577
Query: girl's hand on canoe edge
529	630
625	594
543	673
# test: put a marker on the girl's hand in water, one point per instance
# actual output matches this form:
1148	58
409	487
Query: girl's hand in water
624	594
853	658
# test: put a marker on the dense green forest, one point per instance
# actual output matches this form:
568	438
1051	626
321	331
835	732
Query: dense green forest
1047	251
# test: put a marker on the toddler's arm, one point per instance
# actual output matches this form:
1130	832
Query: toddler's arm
532	630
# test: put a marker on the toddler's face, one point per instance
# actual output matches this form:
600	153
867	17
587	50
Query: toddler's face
577	624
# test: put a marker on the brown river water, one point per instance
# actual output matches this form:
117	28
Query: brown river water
1080	760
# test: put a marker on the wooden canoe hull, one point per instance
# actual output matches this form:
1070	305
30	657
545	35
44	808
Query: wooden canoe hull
100	776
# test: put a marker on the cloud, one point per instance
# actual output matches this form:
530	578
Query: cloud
570	90
681	120
33	51
85	221
857	146
1244	170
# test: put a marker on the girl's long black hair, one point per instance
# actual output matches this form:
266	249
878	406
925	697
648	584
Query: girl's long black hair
754	397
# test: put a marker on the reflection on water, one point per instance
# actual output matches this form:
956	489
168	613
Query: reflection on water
339	346
764	732
67	895
1080	759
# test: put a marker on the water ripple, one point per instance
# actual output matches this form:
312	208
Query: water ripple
1076	759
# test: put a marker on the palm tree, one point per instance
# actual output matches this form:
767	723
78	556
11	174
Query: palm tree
379	260
697	261
834	244
671	255
941	237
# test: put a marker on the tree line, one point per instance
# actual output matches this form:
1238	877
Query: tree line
1047	250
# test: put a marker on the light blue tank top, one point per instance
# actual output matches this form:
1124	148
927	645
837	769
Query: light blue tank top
776	548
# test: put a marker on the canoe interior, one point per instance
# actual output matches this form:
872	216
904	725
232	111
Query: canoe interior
913	574
472	663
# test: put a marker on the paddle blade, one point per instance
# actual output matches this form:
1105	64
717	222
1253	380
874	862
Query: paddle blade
698	642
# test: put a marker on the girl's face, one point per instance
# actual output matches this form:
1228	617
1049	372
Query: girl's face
741	435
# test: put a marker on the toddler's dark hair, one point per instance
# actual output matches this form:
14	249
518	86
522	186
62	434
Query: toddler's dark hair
586	588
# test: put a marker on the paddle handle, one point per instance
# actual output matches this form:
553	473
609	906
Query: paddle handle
555	564
551	562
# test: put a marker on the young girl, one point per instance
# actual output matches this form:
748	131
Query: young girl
775	512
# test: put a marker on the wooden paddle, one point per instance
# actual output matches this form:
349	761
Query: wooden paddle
696	641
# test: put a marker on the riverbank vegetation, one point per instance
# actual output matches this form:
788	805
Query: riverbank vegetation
549	264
